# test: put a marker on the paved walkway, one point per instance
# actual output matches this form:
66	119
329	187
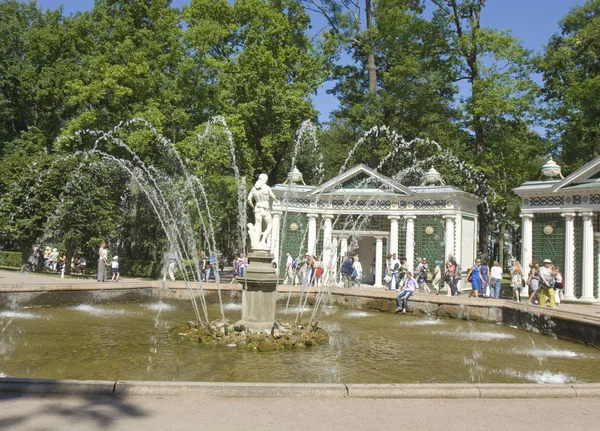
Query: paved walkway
197	412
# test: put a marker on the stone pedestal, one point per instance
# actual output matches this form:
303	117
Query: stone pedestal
260	296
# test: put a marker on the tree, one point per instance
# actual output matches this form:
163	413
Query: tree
498	72
262	69
570	67
37	59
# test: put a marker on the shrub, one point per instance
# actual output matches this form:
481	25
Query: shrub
10	258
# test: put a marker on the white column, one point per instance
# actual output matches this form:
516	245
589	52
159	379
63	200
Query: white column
568	270
393	242
587	257
333	262
378	261
449	235
312	233
410	242
327	245
275	235
343	246
526	247
458	239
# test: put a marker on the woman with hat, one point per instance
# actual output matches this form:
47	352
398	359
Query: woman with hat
547	284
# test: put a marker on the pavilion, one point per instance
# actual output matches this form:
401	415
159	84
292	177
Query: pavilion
366	214
560	222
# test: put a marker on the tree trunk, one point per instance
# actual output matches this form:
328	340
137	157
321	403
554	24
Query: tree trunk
25	248
70	252
501	244
133	246
483	231
371	67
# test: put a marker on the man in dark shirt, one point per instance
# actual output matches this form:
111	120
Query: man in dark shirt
347	272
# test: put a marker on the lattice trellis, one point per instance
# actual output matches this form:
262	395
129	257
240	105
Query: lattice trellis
430	204
294	241
361	181
549	239
578	267
596	268
541	201
401	238
429	238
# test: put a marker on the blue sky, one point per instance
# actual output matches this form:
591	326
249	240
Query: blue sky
532	21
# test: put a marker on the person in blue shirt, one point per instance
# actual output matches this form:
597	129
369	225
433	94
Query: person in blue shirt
212	267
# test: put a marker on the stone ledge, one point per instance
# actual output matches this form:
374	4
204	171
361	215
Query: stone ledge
526	390
291	390
51	386
239	390
413	391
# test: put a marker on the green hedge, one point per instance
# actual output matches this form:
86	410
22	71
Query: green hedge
138	268
10	258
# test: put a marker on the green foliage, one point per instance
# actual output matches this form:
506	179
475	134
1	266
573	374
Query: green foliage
10	258
571	72
139	268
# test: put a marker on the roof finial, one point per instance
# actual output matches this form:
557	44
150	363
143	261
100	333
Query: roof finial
432	176
550	170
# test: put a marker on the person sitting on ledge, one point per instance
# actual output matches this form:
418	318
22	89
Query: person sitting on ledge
410	288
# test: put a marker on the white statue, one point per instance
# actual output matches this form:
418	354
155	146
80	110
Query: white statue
259	199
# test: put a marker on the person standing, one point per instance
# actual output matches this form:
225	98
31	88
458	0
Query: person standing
394	283
357	271
533	281
547	284
347	272
496	280
422	270
101	277
318	270
516	277
409	289
453	274
172	262
289	268
484	288
437	276
212	267
115	269
558	285
476	280
306	270
297	269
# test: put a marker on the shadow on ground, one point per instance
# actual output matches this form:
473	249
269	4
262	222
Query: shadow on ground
104	411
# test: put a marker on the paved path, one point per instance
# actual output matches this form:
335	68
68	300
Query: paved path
196	412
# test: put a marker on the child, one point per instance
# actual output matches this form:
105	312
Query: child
115	268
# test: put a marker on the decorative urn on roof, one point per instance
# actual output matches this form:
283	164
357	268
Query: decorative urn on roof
432	176
295	176
551	169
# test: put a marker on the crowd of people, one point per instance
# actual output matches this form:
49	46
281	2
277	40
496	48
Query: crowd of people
307	270
49	260
545	283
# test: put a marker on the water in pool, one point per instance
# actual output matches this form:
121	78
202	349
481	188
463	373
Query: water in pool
135	341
